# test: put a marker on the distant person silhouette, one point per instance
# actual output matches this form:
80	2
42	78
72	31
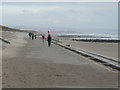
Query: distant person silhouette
30	34
35	36
43	38
49	40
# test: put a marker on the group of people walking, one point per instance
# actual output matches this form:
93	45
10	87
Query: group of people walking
49	38
32	36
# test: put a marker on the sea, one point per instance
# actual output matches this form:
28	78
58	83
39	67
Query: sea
90	36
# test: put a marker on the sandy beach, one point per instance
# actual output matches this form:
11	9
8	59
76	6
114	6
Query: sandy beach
17	40
80	48
30	64
109	50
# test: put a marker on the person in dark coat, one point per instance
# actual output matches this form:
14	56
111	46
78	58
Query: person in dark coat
33	36
49	40
30	34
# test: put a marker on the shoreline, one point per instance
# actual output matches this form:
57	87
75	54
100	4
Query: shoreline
109	50
97	40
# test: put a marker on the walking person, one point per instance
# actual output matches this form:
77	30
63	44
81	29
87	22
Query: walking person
30	34
43	38
49	40
35	36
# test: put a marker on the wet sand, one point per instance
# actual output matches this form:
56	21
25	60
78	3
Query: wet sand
109	50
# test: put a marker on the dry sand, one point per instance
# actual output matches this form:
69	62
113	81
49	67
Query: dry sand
25	65
16	39
10	50
36	65
109	50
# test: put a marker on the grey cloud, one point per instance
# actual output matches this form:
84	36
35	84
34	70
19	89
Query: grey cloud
68	15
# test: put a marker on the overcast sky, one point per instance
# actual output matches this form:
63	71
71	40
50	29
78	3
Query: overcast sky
90	17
